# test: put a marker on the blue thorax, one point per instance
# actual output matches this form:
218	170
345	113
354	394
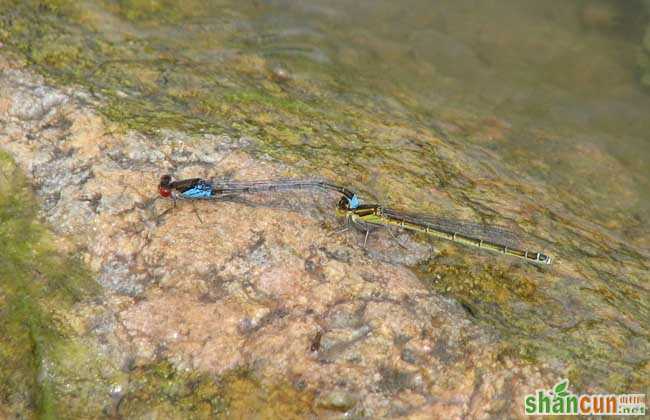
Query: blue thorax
202	189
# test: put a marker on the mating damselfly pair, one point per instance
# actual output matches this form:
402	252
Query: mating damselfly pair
364	217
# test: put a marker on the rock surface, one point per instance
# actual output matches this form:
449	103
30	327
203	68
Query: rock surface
527	117
259	285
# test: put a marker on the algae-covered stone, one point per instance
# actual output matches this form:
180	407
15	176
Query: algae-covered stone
37	281
339	400
188	303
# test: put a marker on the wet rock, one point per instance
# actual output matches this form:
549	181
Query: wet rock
280	74
223	294
337	400
247	285
34	101
118	276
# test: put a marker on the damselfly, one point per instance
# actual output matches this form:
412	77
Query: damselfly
201	189
366	217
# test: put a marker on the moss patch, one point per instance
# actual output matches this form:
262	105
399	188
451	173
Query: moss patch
160	389
147	83
36	280
547	322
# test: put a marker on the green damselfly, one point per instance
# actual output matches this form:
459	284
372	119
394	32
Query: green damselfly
368	216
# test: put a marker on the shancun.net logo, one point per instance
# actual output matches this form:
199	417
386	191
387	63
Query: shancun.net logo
561	401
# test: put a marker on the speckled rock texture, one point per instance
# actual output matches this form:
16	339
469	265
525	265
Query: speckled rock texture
260	284
523	114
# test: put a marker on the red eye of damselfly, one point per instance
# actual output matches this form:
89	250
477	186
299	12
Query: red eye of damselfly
163	187
164	192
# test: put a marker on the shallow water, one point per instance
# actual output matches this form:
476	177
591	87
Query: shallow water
522	113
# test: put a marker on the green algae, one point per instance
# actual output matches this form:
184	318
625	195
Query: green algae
146	86
61	41
531	315
36	279
246	397
160	388
156	10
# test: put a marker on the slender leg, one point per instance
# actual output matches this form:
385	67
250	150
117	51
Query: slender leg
196	212
365	241
395	238
149	207
160	216
339	230
169	209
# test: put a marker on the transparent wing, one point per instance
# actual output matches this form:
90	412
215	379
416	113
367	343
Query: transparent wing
491	233
241	187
